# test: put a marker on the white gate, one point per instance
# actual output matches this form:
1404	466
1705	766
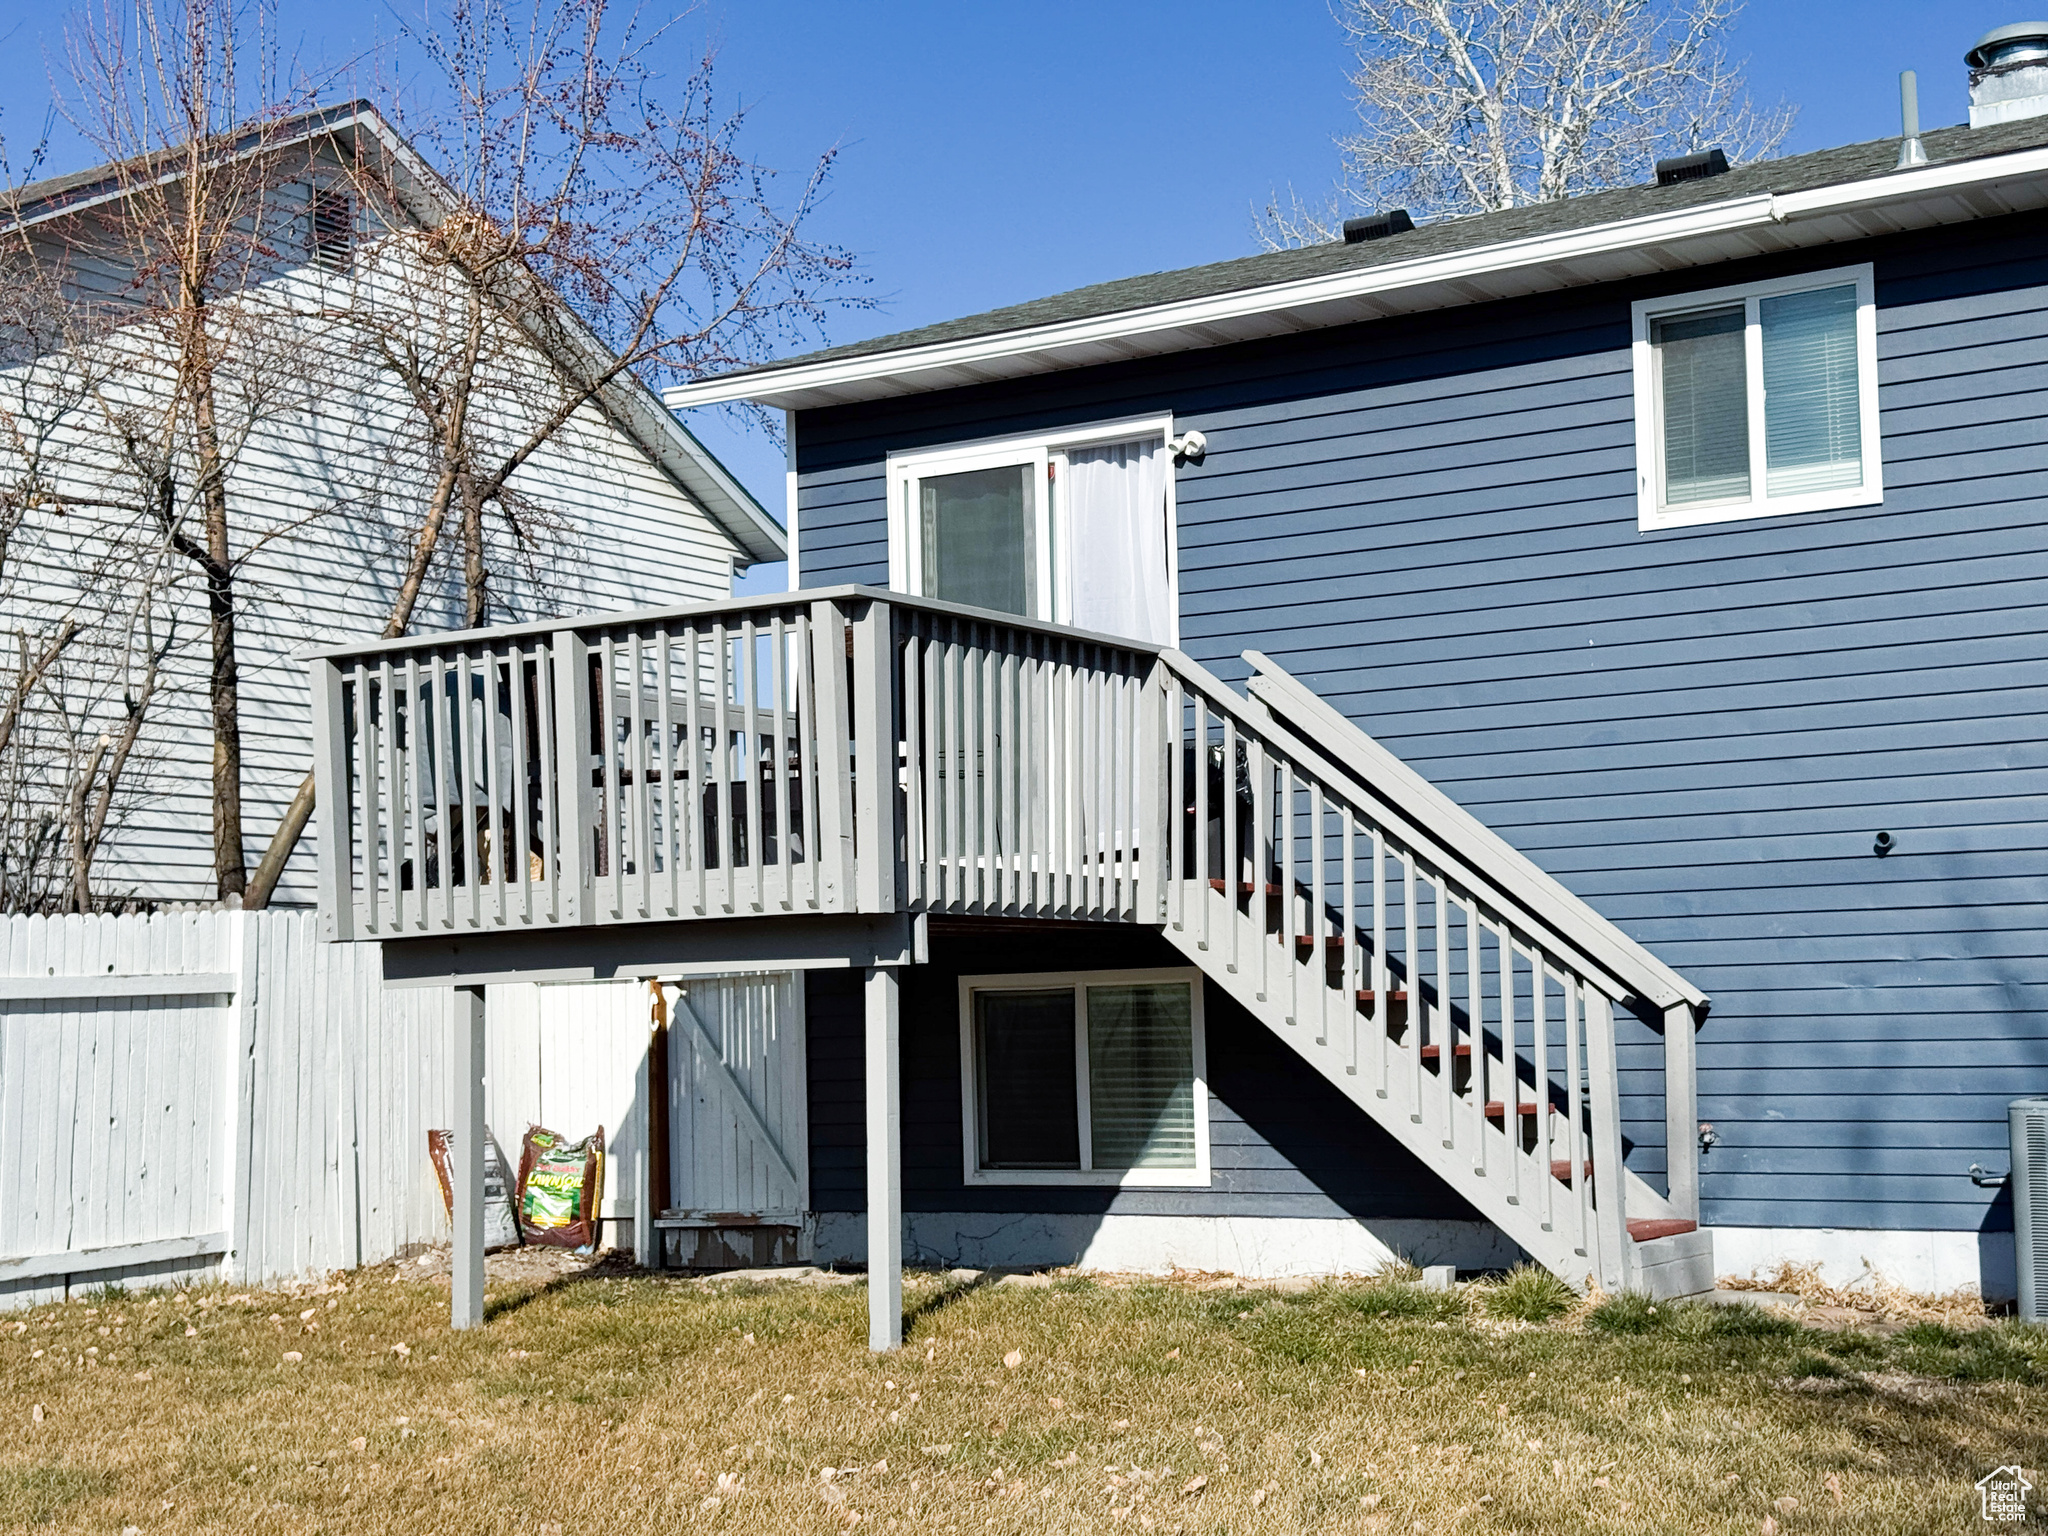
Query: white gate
739	1121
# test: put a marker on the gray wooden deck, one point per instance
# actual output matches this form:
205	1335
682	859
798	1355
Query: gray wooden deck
807	778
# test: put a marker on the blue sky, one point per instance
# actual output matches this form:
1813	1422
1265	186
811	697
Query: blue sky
994	153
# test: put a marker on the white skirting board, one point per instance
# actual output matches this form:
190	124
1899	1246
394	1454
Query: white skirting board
1262	1247
1931	1262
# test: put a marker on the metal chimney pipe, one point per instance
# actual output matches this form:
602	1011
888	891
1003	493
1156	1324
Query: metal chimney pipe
1911	152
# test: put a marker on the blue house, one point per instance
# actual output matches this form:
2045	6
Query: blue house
1515	736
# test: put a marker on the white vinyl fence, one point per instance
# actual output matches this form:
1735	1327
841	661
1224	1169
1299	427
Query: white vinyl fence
198	1095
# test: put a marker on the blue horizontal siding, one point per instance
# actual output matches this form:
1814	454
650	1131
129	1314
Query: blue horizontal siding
1432	522
1283	1142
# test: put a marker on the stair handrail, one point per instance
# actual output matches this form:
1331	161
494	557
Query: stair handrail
1405	829
1367	762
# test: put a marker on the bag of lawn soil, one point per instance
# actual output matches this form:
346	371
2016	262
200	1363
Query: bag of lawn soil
501	1222
559	1183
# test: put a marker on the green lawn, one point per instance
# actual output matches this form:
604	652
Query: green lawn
649	1404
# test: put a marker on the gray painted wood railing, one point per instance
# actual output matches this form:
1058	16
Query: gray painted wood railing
850	750
1464	1022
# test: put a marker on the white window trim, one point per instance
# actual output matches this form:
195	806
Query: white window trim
1197	1177
1650	513
1037	449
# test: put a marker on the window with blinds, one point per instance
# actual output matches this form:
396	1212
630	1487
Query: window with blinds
1812	441
1757	400
1702	377
1141	1076
1095	1078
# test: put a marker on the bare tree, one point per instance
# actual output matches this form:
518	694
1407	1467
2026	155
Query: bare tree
582	229
1470	106
183	98
82	590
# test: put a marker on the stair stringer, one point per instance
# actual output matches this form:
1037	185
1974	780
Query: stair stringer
1506	1185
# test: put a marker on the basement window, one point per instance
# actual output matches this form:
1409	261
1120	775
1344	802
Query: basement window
1757	400
1089	1078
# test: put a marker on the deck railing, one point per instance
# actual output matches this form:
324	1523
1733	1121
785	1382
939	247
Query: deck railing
850	750
838	751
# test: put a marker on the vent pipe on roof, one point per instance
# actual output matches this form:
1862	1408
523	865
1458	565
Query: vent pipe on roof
1912	152
1377	226
2009	74
1708	162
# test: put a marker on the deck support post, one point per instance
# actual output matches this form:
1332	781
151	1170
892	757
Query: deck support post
885	1162
466	1295
1681	1112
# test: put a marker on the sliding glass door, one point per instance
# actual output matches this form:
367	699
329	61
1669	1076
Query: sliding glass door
1075	528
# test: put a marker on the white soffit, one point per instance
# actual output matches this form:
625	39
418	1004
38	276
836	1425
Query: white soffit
1949	193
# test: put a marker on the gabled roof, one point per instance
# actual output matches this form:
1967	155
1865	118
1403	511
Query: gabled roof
1800	200
626	400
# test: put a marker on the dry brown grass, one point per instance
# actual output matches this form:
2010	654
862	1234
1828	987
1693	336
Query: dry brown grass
1870	1292
644	1404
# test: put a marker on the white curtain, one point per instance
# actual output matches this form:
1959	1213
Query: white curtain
1116	530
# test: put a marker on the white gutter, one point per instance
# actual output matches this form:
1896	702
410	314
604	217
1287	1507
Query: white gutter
1759	211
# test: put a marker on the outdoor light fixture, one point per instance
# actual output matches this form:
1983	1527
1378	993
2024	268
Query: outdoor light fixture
1189	445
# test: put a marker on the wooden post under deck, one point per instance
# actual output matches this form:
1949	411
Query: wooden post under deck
466	1295
885	1162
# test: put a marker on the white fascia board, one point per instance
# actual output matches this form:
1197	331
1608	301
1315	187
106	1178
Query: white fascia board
1910	186
1713	220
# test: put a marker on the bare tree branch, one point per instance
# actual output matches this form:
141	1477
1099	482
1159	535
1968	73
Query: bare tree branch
596	228
1470	106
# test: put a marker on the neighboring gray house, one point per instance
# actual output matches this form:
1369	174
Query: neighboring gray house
649	515
1687	536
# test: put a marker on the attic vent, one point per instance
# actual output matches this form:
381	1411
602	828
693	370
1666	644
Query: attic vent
333	230
1708	162
1377	226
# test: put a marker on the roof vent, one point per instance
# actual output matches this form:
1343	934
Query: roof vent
1377	226
2009	74
1708	162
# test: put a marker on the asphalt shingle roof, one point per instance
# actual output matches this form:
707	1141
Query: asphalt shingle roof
1793	173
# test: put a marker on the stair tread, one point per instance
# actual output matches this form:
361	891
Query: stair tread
1433	1052
1495	1109
1561	1169
1647	1229
1397	995
1245	887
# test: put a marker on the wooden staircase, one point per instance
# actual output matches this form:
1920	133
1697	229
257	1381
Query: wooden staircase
1441	982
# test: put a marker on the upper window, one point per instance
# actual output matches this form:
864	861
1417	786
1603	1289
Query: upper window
1095	1078
1757	400
1076	527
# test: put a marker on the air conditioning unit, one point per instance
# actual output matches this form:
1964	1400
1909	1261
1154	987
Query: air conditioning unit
2029	1124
